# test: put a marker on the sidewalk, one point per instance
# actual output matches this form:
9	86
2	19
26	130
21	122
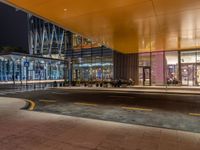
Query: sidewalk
30	82
149	89
22	130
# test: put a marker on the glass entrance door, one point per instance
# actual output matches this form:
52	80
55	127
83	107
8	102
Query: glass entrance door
146	76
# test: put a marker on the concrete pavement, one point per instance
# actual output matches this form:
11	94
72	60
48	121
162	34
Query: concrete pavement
22	130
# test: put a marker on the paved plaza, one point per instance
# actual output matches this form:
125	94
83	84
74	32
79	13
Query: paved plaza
22	130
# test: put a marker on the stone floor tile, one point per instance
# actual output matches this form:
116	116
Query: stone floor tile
24	130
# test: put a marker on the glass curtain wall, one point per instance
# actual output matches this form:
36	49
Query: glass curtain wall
145	69
157	68
170	68
46	39
86	69
189	68
90	62
97	68
107	65
198	68
19	68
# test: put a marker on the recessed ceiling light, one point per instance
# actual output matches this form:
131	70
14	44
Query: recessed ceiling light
65	9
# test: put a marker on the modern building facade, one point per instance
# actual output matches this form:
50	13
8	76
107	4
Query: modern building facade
55	53
91	64
170	68
46	39
26	62
85	60
21	67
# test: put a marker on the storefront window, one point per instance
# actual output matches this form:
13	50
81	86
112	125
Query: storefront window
85	69
107	65
198	68
93	65
188	67
172	67
76	69
97	68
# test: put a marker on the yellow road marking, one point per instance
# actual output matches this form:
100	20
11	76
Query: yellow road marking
48	101
121	97
31	108
86	104
137	109
194	114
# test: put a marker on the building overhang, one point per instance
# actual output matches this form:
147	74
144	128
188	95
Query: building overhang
128	26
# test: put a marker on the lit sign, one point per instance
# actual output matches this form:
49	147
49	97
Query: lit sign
94	65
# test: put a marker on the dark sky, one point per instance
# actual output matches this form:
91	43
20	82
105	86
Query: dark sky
13	27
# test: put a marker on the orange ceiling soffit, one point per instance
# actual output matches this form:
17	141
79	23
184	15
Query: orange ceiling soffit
128	26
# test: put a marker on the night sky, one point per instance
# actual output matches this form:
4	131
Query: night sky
13	27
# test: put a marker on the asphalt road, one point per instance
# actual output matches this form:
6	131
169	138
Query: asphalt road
174	111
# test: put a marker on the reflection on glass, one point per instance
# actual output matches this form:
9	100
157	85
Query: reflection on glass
86	43
172	75
77	42
188	67
93	69
144	59
15	68
144	62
